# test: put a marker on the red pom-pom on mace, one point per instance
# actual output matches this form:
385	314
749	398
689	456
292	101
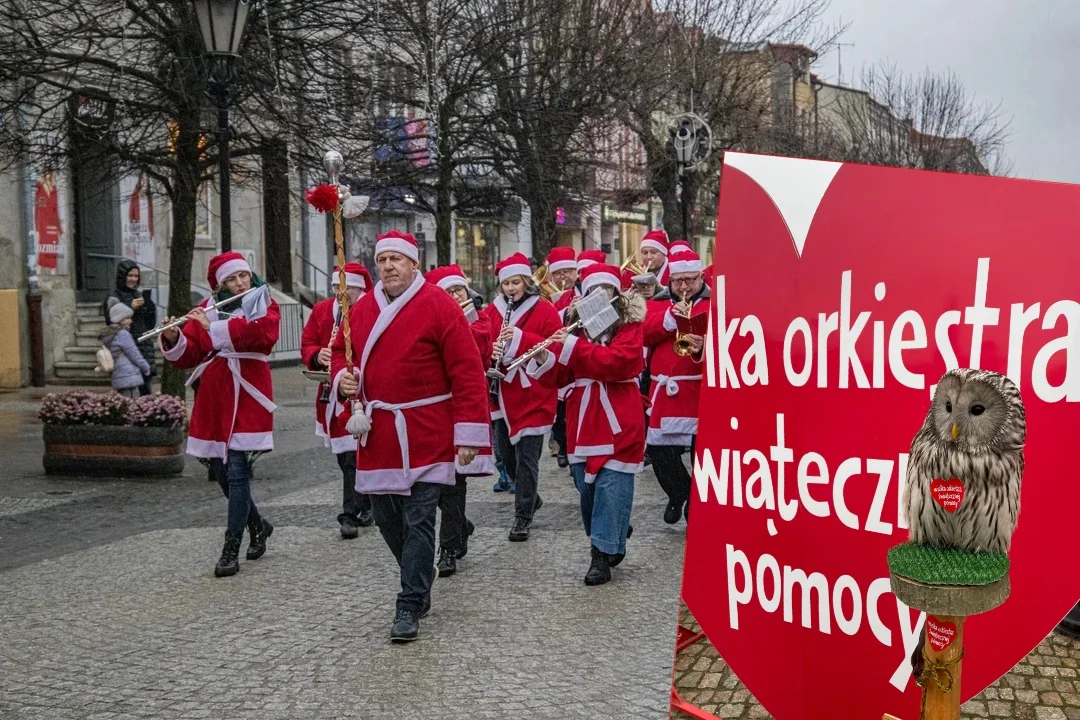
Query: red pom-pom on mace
323	198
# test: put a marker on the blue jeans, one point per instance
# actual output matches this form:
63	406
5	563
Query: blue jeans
235	482
407	524
606	504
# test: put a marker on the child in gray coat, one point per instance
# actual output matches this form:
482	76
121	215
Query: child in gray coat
129	365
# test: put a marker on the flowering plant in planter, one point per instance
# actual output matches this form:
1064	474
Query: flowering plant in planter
157	410
80	407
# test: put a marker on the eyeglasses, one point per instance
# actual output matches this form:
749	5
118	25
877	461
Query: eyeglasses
684	281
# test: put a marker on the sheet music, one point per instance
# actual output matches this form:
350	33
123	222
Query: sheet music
597	313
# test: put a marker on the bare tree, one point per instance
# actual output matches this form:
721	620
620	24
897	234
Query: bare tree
144	61
742	66
928	121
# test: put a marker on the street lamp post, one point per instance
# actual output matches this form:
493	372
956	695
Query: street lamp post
221	23
685	142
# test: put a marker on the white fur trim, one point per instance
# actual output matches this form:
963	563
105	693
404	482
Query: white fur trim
568	349
658	437
389	481
625	467
528	432
206	448
511	270
679	249
535	370
669	321
397	245
496	415
582	264
252	441
515	345
452	281
232	266
176	351
474	435
594	450
481	465
562	265
343	444
351	280
679	425
684	266
219	335
655	245
599	279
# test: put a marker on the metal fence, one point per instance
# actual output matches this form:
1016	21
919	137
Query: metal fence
292	324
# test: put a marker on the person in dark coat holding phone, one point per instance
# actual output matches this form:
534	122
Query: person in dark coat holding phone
145	317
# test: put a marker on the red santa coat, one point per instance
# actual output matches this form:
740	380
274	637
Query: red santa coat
484	462
527	407
421	384
605	427
676	380
331	417
234	408
562	303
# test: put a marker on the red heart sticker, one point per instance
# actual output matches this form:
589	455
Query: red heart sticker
941	634
948	493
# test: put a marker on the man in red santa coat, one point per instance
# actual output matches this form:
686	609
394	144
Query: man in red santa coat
523	410
605	425
675	382
654	255
330	417
563	273
232	421
455	529
420	411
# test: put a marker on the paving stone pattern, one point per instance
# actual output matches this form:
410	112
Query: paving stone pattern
1043	686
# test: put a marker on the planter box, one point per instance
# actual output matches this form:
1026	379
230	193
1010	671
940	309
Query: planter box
115	450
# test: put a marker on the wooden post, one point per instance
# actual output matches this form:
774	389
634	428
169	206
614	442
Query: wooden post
943	652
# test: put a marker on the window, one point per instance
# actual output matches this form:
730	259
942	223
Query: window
477	251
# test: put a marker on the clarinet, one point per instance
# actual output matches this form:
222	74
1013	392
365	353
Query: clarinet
494	376
326	385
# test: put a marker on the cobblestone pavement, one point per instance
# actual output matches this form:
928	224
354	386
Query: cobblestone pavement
109	608
1043	686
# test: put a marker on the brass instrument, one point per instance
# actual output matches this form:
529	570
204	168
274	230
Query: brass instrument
633	264
150	335
319	376
546	287
494	376
467	303
682	342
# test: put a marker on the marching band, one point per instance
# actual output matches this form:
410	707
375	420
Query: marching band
421	390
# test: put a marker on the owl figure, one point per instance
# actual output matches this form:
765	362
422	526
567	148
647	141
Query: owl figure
966	463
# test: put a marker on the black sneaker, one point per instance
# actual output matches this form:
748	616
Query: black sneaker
349	530
366	519
672	512
447	564
469	530
406	626
600	570
520	531
562	460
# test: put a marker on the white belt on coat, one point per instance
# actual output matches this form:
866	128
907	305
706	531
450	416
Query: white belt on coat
233	358
605	402
670	383
399	421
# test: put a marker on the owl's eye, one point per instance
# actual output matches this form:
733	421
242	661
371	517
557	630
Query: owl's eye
948	406
977	409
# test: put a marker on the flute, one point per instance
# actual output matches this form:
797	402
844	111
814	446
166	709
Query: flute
181	320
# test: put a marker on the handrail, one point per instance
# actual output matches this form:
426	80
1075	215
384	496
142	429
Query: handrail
317	269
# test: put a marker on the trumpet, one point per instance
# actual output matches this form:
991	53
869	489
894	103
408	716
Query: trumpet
633	264
682	342
150	335
546	287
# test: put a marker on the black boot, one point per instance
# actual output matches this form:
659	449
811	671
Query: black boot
600	570
520	531
229	564
469	530
672	512
349	530
447	564
260	529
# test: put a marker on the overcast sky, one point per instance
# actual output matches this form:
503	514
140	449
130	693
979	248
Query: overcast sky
1021	52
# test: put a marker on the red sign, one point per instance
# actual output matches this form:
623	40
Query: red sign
47	221
842	294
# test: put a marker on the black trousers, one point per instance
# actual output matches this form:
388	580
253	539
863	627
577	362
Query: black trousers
670	471
452	506
558	430
352	502
407	524
522	462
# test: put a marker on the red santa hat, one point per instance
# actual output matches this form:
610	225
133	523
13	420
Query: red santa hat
224	265
657	240
516	264
599	274
561	258
588	257
356	275
685	262
399	242
446	277
678	246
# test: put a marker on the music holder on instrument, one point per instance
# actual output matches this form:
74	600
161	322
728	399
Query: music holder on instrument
596	314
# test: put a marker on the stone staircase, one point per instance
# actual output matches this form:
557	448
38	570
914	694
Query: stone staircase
77	367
